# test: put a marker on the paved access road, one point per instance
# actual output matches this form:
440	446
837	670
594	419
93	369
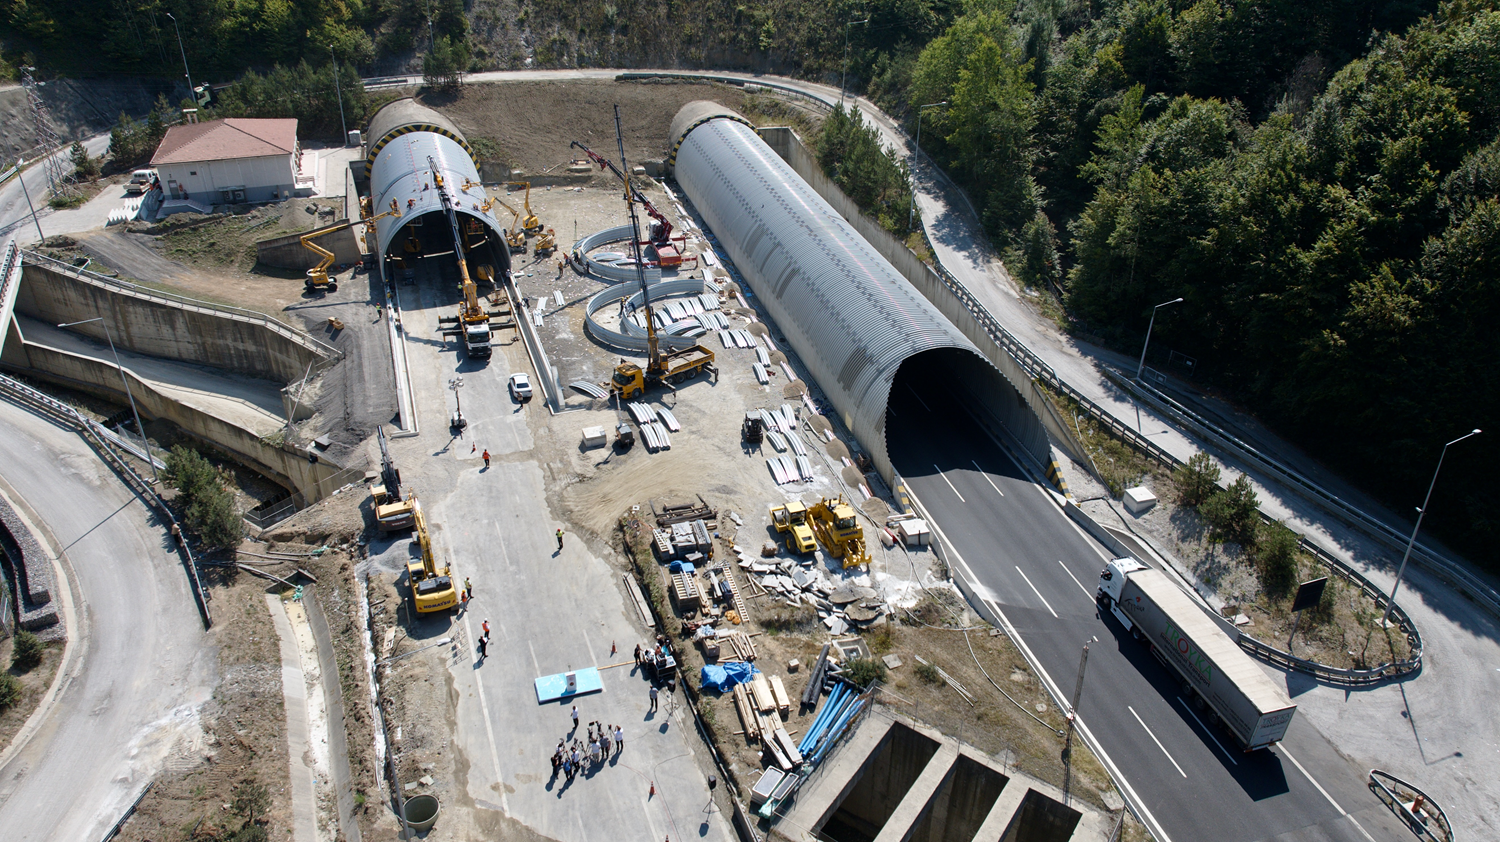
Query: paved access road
1035	568
137	668
15	214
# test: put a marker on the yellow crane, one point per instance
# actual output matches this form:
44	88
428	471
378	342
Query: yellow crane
432	587
530	224
317	277
472	324
513	236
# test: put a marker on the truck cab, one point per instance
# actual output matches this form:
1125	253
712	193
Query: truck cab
1112	583
477	340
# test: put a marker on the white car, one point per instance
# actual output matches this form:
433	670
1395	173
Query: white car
520	387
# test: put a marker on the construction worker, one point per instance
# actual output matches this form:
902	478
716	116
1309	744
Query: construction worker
559	539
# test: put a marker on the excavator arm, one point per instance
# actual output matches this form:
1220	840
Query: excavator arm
530	223
318	275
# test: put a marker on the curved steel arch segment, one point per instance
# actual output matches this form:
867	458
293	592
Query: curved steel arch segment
846	311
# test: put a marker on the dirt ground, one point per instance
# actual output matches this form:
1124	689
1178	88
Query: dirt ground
244	724
532	124
245	721
34	684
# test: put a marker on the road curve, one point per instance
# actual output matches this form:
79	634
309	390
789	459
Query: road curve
140	669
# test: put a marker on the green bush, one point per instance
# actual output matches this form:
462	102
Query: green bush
1276	559
10	690
864	671
850	153
251	799
27	653
1232	513
929	673
1196	480
208	507
249	833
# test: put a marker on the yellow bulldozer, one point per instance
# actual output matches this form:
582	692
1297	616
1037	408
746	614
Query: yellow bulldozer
791	520
432	588
837	526
317	277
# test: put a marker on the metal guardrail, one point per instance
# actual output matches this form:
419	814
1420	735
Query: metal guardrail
1445	569
66	415
1421	815
317	346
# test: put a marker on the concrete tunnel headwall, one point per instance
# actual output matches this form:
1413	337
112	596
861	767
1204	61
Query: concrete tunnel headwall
406	141
856	322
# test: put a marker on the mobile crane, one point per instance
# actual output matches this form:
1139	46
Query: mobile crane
668	369
659	232
317	277
391	512
432	587
472	324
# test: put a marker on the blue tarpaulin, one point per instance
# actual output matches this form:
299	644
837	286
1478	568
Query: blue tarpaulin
681	567
723	677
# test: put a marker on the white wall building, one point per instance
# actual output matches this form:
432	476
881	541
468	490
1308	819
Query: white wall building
222	162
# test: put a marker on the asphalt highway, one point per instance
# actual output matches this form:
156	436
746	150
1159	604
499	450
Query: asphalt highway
1038	571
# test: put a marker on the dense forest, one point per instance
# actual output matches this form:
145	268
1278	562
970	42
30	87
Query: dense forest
1317	179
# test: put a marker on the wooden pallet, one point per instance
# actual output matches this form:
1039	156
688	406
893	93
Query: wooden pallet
685	592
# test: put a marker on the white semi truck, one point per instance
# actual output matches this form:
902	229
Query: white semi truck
1222	677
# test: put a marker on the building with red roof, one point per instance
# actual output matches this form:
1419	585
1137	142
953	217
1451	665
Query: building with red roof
222	162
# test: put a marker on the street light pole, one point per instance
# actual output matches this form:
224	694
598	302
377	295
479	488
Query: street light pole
191	93
145	445
1420	513
339	90
844	74
1142	366
915	152
21	177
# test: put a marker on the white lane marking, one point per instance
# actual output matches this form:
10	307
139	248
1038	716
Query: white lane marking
1155	740
1035	591
950	483
1115	772
987	478
919	398
1075	579
1189	709
1320	788
489	725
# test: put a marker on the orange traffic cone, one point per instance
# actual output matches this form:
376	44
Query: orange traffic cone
653	790
612	649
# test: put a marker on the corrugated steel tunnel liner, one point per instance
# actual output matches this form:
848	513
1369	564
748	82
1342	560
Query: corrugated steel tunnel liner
403	136
851	316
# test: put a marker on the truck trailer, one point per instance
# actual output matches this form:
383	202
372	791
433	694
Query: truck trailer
1217	672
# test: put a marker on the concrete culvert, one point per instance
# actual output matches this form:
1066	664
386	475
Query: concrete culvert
422	812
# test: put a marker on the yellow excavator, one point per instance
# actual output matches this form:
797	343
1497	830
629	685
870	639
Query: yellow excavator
513	235
530	224
317	277
667	369
392	513
432	587
835	524
546	243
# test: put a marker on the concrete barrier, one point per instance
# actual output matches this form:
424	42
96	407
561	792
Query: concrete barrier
163	325
287	252
282	464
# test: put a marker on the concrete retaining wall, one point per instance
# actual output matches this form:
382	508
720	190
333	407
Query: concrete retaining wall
288	467
289	253
161	327
1031	422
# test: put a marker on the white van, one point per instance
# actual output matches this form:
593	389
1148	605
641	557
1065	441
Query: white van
139	181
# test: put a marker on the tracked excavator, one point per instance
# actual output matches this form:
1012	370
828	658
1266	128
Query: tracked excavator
432	588
392	513
659	232
667	369
472	324
317	277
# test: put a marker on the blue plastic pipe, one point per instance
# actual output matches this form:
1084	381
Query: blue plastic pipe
821	719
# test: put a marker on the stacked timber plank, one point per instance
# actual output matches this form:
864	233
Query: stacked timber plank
741	648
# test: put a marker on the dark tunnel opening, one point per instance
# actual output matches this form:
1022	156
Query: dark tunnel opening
423	247
944	410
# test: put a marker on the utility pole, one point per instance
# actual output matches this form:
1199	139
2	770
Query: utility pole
916	152
1422	512
1083	662
21	177
186	72
844	74
1142	366
458	410
339	90
140	428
